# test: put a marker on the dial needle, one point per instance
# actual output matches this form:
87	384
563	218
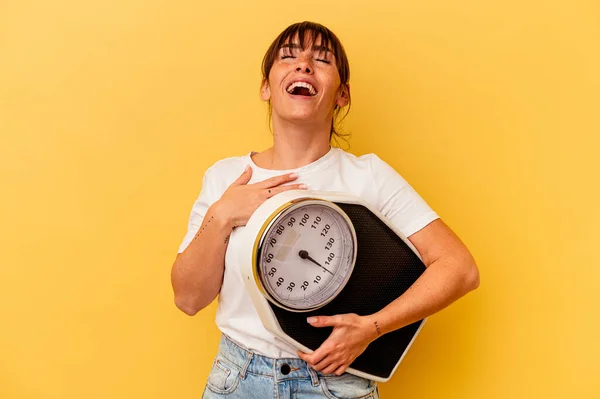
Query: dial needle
304	255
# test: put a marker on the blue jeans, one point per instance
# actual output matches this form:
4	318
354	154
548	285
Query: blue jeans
240	373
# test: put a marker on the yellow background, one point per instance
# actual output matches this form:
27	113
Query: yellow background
111	111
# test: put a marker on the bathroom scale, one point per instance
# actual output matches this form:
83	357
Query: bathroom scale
309	253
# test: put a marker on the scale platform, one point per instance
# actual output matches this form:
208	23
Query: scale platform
386	266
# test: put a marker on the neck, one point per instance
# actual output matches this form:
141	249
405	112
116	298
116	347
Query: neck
297	145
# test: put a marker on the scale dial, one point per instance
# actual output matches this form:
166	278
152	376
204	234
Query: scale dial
305	255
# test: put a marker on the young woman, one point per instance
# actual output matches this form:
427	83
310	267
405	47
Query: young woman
306	82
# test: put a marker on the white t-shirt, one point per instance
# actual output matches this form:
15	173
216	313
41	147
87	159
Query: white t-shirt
366	176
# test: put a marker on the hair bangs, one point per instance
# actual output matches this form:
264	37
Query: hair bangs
308	34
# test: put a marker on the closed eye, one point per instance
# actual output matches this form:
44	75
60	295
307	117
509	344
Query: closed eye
325	61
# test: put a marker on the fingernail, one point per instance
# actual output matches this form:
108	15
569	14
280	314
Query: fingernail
293	175
302	186
247	167
311	319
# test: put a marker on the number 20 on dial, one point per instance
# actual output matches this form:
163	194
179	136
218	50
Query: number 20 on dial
306	255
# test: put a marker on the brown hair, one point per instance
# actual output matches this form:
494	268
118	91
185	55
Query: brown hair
328	39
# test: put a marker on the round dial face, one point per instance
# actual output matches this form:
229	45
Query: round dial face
306	255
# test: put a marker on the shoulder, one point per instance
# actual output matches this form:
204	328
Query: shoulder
225	167
228	164
364	161
370	163
223	172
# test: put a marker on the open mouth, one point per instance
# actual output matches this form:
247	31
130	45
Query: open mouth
302	89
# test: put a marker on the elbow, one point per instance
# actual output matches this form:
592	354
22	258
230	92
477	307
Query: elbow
192	300
471	278
188	306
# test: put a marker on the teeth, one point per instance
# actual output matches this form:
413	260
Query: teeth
310	87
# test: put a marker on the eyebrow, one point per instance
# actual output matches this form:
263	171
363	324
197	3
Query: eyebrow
314	48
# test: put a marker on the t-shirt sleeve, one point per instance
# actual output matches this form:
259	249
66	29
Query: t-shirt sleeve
206	198
398	201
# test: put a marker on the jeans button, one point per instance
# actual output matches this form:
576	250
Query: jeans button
285	369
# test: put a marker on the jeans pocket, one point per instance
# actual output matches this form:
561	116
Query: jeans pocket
223	378
348	386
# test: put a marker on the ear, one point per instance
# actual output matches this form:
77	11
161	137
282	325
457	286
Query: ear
265	91
343	96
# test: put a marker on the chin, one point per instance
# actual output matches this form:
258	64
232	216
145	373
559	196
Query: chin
302	116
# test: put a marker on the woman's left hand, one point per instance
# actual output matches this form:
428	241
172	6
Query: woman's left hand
350	337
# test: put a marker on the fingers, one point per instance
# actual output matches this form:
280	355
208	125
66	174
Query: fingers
325	321
328	365
330	369
276	190
244	177
314	358
277	180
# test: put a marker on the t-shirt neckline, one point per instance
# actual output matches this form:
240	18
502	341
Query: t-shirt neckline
317	165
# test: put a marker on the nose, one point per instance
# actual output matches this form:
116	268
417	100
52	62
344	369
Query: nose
304	68
304	65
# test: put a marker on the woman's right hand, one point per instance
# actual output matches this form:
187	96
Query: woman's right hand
241	199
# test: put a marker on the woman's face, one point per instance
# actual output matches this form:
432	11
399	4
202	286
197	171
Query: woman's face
304	83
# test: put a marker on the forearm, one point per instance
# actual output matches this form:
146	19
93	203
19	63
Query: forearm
197	273
442	283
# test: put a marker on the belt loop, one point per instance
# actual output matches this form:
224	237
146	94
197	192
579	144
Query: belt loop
249	356
314	378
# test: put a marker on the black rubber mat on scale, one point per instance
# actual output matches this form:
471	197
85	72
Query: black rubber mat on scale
385	268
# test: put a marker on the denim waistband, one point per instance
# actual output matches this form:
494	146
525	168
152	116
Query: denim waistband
280	369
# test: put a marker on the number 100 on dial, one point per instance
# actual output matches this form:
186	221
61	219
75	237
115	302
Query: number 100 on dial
305	255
